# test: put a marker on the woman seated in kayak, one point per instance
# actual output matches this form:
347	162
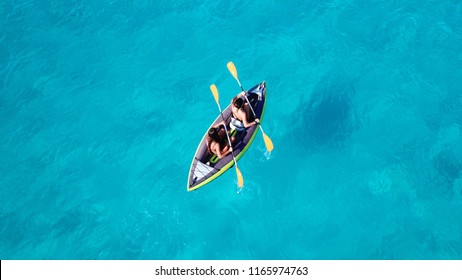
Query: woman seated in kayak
217	142
242	112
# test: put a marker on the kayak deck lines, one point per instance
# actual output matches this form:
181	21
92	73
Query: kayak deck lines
203	169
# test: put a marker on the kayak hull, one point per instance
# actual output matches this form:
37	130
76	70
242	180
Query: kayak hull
205	167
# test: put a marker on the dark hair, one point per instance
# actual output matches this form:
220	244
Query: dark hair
238	102
213	134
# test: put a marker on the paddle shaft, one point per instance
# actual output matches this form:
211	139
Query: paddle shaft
250	105
245	95
227	136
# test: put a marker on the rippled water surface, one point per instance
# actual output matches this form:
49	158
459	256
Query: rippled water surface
103	103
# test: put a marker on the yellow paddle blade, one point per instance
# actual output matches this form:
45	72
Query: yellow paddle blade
232	69
240	179
268	143
214	90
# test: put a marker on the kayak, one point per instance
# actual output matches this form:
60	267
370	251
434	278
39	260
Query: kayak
206	167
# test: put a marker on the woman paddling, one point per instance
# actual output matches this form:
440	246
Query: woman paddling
217	142
242	115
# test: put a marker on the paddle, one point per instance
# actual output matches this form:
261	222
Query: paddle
240	179
268	143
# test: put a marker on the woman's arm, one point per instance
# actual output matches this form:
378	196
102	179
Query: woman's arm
243	116
221	154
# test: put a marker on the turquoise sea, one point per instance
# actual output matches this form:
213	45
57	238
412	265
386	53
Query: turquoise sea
103	103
